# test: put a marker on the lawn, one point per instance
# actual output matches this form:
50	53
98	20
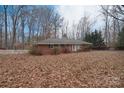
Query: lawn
86	69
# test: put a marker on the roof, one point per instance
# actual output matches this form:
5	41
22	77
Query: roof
62	41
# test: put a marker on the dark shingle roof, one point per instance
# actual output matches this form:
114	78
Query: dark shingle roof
62	41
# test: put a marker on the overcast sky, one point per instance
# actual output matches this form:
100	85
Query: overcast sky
74	13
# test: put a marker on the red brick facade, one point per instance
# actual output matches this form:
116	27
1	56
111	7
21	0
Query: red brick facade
45	49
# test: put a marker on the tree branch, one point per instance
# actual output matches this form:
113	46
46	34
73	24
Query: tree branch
112	14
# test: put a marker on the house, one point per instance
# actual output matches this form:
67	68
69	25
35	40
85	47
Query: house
63	45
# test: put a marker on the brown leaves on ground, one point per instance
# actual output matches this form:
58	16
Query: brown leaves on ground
86	69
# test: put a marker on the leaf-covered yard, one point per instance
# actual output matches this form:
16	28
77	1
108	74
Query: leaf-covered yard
86	69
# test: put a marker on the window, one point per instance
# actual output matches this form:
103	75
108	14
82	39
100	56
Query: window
51	46
55	45
62	46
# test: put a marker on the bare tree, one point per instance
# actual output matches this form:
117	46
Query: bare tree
5	15
107	25
114	15
23	17
31	23
1	25
120	11
0	36
84	26
65	28
74	30
115	25
47	18
57	23
42	22
14	15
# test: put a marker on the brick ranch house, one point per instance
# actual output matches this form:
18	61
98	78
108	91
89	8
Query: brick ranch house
63	45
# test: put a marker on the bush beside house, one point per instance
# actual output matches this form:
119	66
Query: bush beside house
56	51
86	48
35	51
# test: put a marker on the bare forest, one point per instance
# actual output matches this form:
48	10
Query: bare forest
21	25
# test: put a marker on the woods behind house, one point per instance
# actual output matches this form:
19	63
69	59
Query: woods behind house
20	26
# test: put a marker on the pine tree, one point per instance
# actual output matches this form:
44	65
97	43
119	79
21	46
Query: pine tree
96	39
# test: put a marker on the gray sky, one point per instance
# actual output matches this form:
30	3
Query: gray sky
73	13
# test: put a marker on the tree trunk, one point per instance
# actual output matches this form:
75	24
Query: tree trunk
23	37
0	36
55	32
118	25
5	11
106	29
29	36
114	32
32	39
38	33
14	37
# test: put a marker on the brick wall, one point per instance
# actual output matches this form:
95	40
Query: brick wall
46	50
